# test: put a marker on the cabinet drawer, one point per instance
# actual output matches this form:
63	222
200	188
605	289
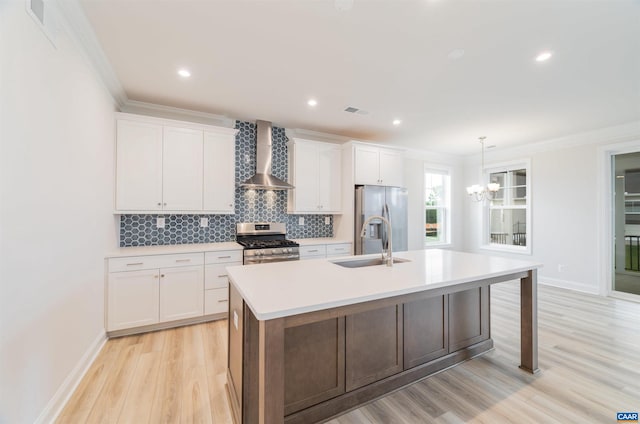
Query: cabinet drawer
216	301
133	263
339	249
313	251
223	256
215	276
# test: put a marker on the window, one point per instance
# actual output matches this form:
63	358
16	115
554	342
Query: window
508	218
436	207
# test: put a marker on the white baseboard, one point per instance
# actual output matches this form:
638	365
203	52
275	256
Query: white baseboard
50	413
566	284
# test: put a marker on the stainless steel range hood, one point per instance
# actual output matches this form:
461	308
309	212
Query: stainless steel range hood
263	178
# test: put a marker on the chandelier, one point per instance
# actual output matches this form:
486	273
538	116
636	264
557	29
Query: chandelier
479	193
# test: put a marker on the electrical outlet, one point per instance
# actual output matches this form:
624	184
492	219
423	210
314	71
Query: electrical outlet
301	220
204	222
327	220
160	222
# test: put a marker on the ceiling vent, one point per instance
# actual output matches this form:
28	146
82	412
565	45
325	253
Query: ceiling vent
352	109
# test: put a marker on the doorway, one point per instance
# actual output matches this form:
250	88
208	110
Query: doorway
626	223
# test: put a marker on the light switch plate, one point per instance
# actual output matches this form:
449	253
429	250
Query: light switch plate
327	220
160	222
204	222
301	220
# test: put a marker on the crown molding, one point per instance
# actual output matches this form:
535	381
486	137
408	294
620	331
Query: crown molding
315	135
81	31
169	112
601	136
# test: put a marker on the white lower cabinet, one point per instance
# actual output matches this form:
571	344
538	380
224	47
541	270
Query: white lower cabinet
147	290
216	301
337	250
313	251
216	281
133	299
181	293
316	251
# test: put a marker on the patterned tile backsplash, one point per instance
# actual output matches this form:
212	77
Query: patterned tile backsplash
251	205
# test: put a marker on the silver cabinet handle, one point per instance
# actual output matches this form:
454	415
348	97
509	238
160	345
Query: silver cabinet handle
164	204
223	300
313	251
135	263
159	204
224	257
183	260
223	275
338	249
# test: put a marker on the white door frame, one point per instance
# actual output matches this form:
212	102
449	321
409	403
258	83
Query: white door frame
605	226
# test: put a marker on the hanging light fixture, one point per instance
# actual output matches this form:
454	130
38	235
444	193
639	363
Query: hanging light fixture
478	192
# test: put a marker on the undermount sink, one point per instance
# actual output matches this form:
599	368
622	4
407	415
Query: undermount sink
359	263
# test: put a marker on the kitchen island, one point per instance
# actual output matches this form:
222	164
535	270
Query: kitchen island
309	340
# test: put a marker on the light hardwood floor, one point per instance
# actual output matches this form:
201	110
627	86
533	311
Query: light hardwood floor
589	354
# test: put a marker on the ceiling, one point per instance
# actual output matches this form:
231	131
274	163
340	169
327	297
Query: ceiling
264	59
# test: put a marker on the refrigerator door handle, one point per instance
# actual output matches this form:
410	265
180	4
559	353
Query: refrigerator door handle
385	236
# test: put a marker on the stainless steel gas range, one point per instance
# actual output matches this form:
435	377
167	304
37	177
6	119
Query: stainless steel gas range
266	242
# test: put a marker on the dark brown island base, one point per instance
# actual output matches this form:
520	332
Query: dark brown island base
307	367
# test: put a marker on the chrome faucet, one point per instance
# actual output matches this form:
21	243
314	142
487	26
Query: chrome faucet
388	260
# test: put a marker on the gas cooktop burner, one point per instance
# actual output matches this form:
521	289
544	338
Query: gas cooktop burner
266	244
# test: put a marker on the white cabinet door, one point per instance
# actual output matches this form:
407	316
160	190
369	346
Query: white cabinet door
139	166
219	173
367	165
182	169
306	177
391	168
329	179
132	299
181	293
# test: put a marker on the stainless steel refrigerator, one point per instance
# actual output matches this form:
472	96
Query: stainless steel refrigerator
390	202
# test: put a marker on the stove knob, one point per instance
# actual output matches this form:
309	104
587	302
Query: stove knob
274	251
259	252
289	250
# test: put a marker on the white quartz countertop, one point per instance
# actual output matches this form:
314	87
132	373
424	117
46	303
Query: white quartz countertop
289	288
314	241
173	249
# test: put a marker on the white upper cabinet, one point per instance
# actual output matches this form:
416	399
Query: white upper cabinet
182	169
139	166
219	172
315	171
391	168
378	166
173	166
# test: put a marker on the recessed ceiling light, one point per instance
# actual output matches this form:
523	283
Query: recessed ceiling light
543	56
184	73
397	122
312	102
